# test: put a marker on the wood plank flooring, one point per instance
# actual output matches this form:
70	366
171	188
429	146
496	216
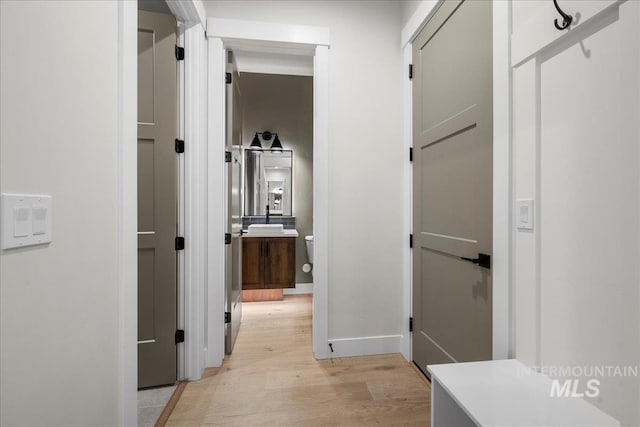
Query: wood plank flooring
272	379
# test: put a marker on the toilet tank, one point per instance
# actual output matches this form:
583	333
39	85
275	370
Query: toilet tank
308	240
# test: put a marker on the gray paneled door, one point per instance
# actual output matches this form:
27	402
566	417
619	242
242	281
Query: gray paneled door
157	190
233	253
452	179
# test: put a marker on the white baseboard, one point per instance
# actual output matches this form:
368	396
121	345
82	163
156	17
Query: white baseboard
366	346
301	288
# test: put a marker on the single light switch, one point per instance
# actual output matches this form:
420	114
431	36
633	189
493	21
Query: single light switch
21	221
524	214
25	220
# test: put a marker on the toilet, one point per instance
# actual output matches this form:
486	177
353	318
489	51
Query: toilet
308	240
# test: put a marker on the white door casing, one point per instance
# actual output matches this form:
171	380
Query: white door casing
190	13
315	41
576	133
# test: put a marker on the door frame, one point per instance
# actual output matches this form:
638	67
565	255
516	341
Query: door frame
190	15
291	37
501	257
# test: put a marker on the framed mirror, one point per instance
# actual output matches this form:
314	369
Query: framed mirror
268	181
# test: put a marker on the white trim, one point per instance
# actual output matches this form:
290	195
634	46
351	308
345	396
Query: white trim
366	346
195	202
286	37
501	170
216	202
407	214
270	63
188	12
418	20
501	264
300	289
268	32
321	202
127	213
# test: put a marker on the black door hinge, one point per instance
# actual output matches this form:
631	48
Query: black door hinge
410	71
179	53
410	324
179	146
227	317
179	336
227	238
411	240
179	243
227	156
411	154
227	78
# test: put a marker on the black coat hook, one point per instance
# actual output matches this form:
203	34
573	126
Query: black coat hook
566	19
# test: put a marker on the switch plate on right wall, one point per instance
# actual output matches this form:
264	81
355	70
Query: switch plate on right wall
524	214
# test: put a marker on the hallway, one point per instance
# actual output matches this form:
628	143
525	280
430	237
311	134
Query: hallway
272	379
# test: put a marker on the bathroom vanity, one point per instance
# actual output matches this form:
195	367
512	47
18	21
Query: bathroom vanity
269	262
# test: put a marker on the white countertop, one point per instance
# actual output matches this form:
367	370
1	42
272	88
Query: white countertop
287	233
508	393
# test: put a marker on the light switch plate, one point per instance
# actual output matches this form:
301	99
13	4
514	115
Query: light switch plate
524	214
26	220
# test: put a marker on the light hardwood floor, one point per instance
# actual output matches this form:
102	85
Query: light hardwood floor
272	379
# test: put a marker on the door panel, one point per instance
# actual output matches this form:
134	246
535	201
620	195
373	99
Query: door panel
452	177
252	263
157	101
234	205
279	270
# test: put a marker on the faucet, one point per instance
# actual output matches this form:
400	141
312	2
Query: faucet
267	214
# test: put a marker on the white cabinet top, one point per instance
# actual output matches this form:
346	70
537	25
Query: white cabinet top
508	393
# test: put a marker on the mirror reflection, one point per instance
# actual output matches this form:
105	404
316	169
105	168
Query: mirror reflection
268	182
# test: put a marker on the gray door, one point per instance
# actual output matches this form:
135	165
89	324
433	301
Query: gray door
233	251
157	126
452	178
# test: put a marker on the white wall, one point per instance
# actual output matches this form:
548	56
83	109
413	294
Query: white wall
366	155
408	9
59	132
576	151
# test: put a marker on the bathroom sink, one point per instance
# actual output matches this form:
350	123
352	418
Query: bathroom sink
266	229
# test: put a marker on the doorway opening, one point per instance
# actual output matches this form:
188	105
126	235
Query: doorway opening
291	45
270	189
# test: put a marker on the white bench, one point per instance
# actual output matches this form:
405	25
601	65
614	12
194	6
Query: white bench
504	393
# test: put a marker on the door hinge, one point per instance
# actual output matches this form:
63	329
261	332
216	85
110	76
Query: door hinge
227	317
179	336
410	324
411	154
411	240
227	156
410	71
227	78
179	53
179	243
179	146
227	238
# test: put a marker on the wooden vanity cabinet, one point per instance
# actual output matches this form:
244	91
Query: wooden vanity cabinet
268	262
